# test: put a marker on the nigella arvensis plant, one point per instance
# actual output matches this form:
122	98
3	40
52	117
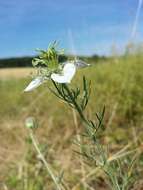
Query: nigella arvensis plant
49	68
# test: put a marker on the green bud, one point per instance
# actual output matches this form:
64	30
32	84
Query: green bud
30	123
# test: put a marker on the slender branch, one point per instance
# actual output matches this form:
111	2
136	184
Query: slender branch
76	105
44	161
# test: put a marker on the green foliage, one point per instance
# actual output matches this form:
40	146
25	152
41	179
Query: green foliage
49	58
118	85
71	96
92	148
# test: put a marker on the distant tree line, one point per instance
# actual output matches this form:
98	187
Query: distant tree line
16	62
27	61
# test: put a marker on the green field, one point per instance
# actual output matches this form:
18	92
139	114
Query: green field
116	83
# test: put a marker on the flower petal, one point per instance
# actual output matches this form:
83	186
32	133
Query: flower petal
81	64
34	84
67	74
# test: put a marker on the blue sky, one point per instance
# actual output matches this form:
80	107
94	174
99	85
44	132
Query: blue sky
81	26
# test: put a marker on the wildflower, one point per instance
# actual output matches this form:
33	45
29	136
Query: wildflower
63	75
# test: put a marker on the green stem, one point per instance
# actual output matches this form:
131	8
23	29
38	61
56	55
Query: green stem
44	161
76	105
86	123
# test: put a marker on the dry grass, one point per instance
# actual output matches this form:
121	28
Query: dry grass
57	123
15	73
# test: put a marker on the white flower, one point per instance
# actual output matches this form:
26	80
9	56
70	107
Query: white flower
67	74
34	83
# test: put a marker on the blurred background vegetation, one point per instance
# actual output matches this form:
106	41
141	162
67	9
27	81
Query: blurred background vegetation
26	61
116	83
